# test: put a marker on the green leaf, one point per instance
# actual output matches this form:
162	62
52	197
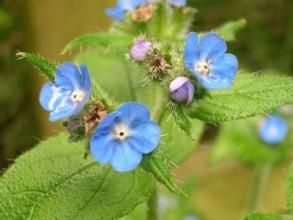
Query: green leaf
159	166
229	30
114	40
259	216
240	140
53	181
290	189
180	118
249	96
47	67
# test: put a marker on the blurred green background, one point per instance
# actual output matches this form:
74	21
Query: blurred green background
45	26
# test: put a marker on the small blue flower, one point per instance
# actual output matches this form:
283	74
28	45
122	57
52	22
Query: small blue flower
207	59
123	136
118	12
178	3
70	92
273	130
182	90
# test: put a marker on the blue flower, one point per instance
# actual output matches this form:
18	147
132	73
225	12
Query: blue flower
207	59
70	92
179	3
118	12
123	136
273	130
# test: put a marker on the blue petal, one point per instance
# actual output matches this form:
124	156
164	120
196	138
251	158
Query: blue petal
274	130
225	66
64	112
102	147
215	82
67	75
211	46
130	5
191	51
125	157
86	84
116	13
134	113
145	138
51	96
107	123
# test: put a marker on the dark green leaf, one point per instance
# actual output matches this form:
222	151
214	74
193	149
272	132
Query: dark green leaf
47	67
53	181
250	95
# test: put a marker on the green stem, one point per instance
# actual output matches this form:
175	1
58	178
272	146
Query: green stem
152	205
130	83
261	177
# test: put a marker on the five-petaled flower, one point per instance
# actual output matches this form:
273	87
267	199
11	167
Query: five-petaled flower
207	59
123	6
123	136
70	92
273	130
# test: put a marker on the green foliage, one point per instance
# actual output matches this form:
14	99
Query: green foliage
290	189
45	66
113	40
250	95
258	216
240	140
229	30
159	166
55	175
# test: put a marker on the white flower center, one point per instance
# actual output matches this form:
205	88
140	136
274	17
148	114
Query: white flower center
121	132
78	95
203	68
273	131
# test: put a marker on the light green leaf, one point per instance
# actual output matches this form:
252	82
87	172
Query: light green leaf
53	181
240	140
250	95
258	216
114	40
159	166
45	66
229	30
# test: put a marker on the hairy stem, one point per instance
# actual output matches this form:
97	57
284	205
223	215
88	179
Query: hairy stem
152	204
261	177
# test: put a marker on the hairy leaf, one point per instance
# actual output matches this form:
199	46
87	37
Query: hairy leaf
250	95
229	30
47	67
103	39
53	181
159	166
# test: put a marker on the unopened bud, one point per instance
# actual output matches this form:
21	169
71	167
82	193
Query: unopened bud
182	90
140	49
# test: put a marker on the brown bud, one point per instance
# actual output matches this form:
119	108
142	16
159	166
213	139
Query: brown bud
158	66
93	116
143	13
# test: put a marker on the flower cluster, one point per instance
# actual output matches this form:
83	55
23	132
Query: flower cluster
121	137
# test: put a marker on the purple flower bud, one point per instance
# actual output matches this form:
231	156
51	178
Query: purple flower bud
140	49
181	90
